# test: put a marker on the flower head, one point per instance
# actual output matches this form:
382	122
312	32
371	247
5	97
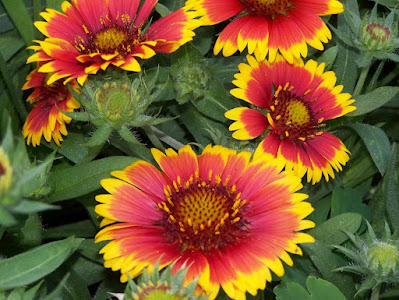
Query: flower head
45	119
304	97
92	34
229	218
162	285
273	26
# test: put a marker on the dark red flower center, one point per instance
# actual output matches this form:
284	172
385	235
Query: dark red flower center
111	38
53	93
268	8
202	215
2	169
378	32
292	117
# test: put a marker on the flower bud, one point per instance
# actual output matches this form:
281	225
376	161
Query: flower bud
5	173
377	35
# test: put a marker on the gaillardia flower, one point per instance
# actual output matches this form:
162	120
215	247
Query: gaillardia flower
270	26
92	34
305	96
229	218
45	119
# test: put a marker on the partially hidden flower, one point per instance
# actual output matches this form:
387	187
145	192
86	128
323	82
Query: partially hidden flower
304	97
162	285
5	173
265	26
229	218
45	118
92	34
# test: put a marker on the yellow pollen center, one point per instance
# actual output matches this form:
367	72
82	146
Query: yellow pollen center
297	113
110	38
268	8
202	215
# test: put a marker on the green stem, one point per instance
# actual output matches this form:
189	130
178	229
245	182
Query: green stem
375	294
361	80
387	79
153	137
374	79
167	139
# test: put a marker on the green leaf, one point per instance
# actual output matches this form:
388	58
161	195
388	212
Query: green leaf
215	102
332	231
317	289
327	261
29	206
377	144
31	233
328	57
82	179
345	66
17	11
390	188
6	219
32	265
79	229
373	100
348	200
54	4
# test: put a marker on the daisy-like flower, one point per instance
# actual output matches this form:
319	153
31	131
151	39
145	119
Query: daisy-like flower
229	218
45	119
270	26
92	34
305	96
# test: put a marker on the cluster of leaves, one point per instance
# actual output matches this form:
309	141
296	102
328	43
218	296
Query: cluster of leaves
48	252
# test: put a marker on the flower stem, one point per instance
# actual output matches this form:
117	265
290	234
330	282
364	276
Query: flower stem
375	294
167	139
361	80
153	137
374	79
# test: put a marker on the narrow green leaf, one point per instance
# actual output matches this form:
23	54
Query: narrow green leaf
55	4
332	231
6	219
345	66
82	179
373	100
30	206
17	11
391	188
32	265
79	229
377	144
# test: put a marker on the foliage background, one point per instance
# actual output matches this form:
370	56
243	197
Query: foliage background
46	241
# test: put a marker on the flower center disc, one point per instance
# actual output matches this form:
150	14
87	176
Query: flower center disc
203	216
267	8
378	32
53	93
291	116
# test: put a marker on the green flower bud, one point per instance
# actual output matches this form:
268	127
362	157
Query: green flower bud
376	35
191	82
383	258
115	101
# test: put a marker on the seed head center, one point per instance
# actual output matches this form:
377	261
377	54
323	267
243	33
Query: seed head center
202	215
291	116
267	8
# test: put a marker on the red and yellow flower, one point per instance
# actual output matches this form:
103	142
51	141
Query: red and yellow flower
304	97
231	219
45	119
92	34
273	26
